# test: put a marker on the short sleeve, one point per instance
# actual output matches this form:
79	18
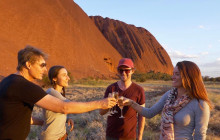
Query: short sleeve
141	98
107	91
110	89
30	93
56	94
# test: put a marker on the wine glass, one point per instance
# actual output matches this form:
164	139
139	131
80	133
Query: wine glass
111	111
116	97
120	104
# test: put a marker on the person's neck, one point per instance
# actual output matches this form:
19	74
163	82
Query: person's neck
58	88
25	74
181	91
123	85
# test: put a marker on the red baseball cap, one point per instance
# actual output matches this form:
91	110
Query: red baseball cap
126	62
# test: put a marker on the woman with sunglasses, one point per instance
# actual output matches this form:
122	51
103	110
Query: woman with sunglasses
185	108
54	127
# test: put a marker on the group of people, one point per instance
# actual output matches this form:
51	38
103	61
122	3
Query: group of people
185	109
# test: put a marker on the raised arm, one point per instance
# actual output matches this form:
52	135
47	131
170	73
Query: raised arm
148	112
201	120
107	94
56	105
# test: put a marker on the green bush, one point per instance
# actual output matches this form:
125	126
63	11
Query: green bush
71	78
92	81
45	81
207	78
142	77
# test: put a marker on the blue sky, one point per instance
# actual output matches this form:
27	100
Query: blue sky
187	29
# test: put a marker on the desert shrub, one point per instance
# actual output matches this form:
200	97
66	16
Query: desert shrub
207	78
91	125
71	77
142	77
217	79
92	81
153	124
151	135
45	81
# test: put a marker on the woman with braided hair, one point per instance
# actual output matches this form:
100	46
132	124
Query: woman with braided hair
54	127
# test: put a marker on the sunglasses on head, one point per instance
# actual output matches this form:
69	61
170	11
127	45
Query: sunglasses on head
127	71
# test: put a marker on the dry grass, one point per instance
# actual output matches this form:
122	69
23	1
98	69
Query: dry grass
91	126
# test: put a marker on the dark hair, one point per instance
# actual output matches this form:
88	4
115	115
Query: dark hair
192	80
52	73
30	54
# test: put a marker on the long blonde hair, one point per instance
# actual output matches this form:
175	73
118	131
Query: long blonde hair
192	81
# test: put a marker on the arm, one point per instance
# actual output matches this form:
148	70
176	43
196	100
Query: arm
141	123
107	94
70	123
36	121
148	112
56	105
201	120
103	111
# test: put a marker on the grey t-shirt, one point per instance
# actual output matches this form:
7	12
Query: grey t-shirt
189	119
54	126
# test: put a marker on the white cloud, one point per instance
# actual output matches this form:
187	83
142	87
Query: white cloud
204	53
213	64
210	46
212	72
211	69
201	27
165	46
178	54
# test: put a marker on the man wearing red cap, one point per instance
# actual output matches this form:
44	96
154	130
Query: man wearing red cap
125	128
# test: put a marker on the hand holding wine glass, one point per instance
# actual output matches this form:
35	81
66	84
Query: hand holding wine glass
126	101
111	109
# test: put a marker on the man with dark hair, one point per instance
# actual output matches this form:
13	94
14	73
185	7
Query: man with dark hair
18	94
119	128
29	54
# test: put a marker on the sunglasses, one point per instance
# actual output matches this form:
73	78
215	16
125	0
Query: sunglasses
43	65
127	71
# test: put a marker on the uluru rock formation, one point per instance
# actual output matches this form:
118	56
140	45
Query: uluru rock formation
70	38
136	43
61	29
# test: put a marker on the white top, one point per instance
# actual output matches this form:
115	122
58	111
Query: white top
54	126
189	119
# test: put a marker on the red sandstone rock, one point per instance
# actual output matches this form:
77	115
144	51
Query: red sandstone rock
64	31
136	43
61	29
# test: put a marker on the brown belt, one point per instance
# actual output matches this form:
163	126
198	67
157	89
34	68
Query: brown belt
63	138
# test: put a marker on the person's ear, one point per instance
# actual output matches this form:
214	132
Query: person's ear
28	65
55	79
133	70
